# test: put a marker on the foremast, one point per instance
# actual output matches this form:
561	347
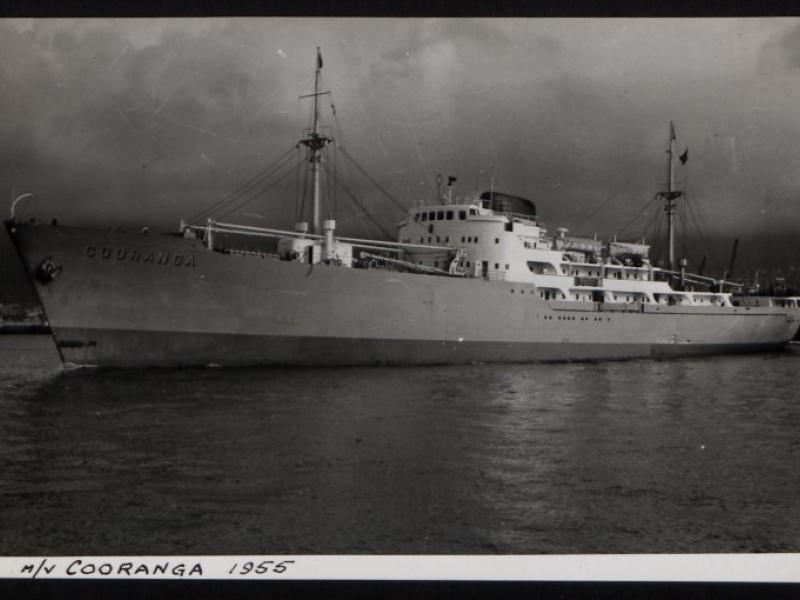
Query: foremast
315	142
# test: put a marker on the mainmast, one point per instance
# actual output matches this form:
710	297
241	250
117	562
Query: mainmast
315	142
670	196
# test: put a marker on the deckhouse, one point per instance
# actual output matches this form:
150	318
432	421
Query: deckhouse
498	237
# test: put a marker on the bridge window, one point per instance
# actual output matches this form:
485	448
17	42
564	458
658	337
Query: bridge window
476	239
446	239
469	239
462	214
449	215
506	267
440	215
496	240
463	239
416	217
496	266
473	211
431	216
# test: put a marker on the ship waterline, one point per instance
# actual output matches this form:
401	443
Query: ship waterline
134	299
118	348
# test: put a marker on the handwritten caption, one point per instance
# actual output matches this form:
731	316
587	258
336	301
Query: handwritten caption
173	568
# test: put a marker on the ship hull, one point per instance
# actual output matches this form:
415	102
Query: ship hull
130	348
127	299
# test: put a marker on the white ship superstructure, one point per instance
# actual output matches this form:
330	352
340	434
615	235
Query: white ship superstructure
515	247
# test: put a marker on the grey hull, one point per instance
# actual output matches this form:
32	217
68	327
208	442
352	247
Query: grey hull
118	348
134	299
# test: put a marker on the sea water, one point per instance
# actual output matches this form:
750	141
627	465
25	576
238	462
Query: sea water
682	455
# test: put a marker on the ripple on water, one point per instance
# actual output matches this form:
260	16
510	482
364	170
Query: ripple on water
634	456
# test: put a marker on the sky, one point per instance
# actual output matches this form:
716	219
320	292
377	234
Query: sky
142	122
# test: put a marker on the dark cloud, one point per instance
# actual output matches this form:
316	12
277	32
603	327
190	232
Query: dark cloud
146	121
781	51
100	118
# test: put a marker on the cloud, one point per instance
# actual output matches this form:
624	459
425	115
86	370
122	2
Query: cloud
98	106
147	121
782	50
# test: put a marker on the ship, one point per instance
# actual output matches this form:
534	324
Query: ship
467	280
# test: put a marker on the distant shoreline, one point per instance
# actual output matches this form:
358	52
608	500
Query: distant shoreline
24	328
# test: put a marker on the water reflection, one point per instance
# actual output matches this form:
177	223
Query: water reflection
685	455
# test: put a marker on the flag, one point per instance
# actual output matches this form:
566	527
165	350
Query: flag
671	131
684	157
319	59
